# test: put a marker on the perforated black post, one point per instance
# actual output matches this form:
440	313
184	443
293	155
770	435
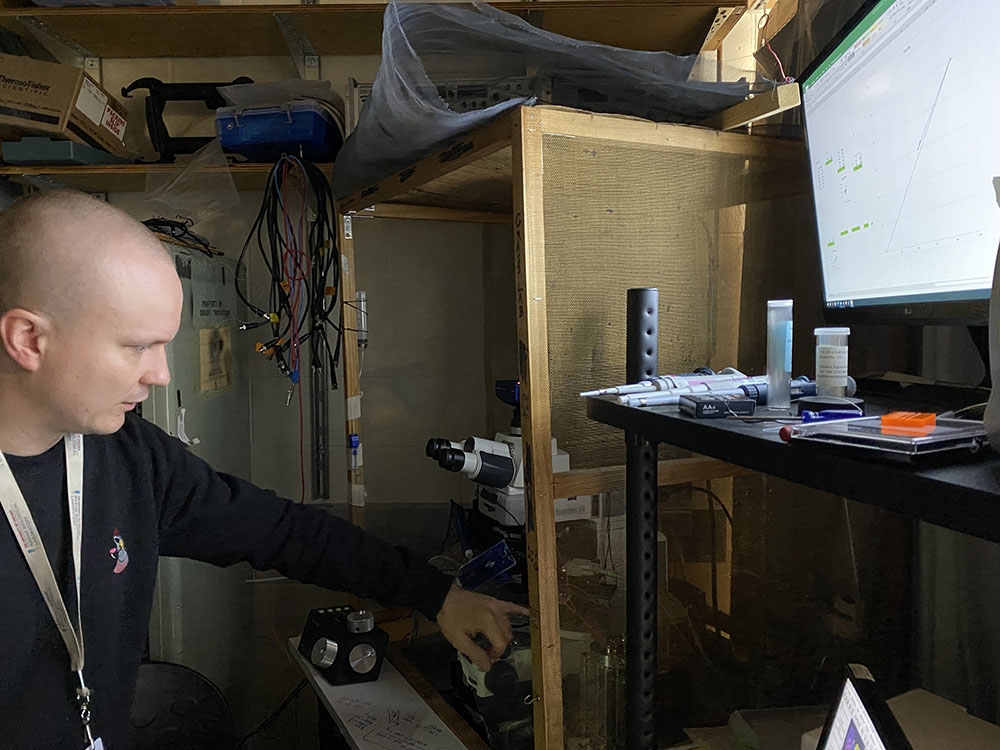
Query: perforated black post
640	532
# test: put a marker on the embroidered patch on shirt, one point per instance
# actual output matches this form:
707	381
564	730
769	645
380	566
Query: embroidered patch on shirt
119	553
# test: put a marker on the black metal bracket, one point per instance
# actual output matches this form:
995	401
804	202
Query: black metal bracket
160	93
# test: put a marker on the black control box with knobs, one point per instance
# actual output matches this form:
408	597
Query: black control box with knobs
344	644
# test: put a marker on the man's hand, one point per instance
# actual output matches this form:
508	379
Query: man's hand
466	614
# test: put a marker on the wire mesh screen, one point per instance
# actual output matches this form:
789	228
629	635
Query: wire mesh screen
621	215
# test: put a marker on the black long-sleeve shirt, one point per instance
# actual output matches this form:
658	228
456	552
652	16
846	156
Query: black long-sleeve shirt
147	490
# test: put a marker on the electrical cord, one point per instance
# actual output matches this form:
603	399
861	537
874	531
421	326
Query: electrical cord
715	498
955	413
277	712
514	518
180	233
296	236
712	498
451	524
715	572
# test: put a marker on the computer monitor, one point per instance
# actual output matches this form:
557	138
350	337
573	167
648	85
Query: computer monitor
860	719
902	125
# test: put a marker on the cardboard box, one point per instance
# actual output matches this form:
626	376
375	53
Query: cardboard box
60	100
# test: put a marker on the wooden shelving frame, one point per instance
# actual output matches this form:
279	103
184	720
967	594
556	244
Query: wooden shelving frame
498	174
350	28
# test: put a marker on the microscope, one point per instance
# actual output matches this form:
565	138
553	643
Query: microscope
496	467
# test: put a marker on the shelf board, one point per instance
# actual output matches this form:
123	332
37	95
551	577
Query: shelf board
678	26
472	178
669	472
127	177
475	171
962	496
472	173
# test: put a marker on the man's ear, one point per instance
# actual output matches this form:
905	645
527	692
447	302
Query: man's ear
24	336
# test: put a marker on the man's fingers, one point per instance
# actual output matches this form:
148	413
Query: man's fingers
498	629
501	621
481	657
466	613
509	608
504	611
476	655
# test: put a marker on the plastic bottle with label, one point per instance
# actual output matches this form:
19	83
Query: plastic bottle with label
831	361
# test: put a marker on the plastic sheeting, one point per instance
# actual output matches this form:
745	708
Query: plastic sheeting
198	189
424	44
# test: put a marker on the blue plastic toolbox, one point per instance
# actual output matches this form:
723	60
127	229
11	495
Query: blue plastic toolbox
303	129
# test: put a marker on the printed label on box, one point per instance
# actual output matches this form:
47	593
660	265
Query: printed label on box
114	122
91	101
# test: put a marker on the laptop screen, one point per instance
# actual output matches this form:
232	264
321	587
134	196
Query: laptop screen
860	719
851	727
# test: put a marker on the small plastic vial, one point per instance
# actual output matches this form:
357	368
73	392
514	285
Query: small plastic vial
779	354
831	361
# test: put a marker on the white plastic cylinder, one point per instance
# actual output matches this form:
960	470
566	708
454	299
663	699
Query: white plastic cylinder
779	354
831	361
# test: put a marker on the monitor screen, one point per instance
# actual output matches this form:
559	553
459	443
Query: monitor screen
902	124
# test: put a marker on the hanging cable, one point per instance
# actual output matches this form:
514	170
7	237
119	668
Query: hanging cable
785	78
296	237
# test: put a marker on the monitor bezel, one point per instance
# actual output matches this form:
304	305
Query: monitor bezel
930	312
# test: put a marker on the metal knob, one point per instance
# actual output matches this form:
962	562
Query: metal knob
361	621
363	658
324	653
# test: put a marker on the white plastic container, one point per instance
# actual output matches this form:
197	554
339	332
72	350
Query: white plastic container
779	354
831	361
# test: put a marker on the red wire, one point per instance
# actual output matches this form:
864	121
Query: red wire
284	264
290	258
292	251
299	254
302	452
781	68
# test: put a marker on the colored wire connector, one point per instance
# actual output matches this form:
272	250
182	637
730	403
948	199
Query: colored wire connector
295	233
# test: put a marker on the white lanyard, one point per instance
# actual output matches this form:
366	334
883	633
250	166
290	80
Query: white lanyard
23	526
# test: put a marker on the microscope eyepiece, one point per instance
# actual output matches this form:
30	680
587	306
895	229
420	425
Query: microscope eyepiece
452	459
435	446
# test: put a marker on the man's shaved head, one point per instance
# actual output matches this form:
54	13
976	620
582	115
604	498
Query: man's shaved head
89	300
55	247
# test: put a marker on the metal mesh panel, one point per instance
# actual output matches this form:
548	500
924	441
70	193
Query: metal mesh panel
620	215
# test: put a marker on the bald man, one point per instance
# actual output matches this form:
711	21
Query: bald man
89	300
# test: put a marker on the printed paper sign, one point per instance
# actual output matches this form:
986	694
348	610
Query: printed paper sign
91	101
216	352
212	304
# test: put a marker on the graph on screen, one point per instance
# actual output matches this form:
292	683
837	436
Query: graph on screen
903	127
